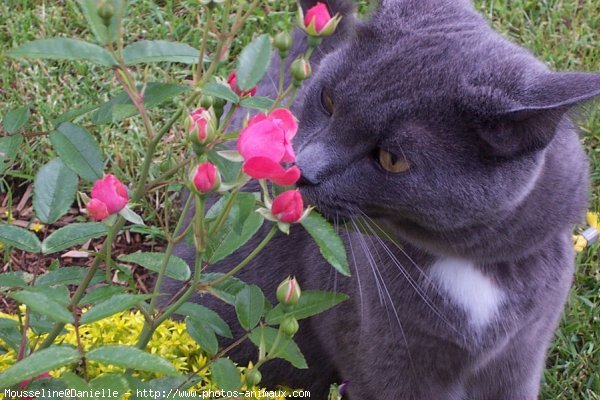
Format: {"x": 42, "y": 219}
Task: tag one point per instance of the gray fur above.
{"x": 498, "y": 178}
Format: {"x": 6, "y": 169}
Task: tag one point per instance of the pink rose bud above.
{"x": 288, "y": 291}
{"x": 206, "y": 178}
{"x": 232, "y": 81}
{"x": 288, "y": 206}
{"x": 300, "y": 70}
{"x": 97, "y": 210}
{"x": 201, "y": 124}
{"x": 265, "y": 143}
{"x": 318, "y": 22}
{"x": 109, "y": 196}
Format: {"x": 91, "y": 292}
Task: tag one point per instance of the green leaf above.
{"x": 19, "y": 238}
{"x": 16, "y": 279}
{"x": 131, "y": 216}
{"x": 176, "y": 268}
{"x": 111, "y": 383}
{"x": 203, "y": 335}
{"x": 226, "y": 290}
{"x": 311, "y": 302}
{"x": 103, "y": 34}
{"x": 329, "y": 242}
{"x": 37, "y": 363}
{"x": 78, "y": 150}
{"x": 54, "y": 191}
{"x": 148, "y": 51}
{"x": 70, "y": 115}
{"x": 131, "y": 357}
{"x": 11, "y": 338}
{"x": 6, "y": 323}
{"x": 73, "y": 234}
{"x": 253, "y": 62}
{"x": 102, "y": 293}
{"x": 239, "y": 227}
{"x": 286, "y": 349}
{"x": 41, "y": 303}
{"x": 9, "y": 148}
{"x": 225, "y": 374}
{"x": 115, "y": 304}
{"x": 64, "y": 49}
{"x": 154, "y": 95}
{"x": 16, "y": 119}
{"x": 59, "y": 294}
{"x": 67, "y": 276}
{"x": 229, "y": 170}
{"x": 201, "y": 313}
{"x": 249, "y": 306}
{"x": 221, "y": 91}
{"x": 257, "y": 103}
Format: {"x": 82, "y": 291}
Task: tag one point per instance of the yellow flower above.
{"x": 36, "y": 227}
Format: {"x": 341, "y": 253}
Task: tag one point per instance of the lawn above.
{"x": 564, "y": 33}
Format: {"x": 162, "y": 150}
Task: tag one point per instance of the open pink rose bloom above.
{"x": 266, "y": 143}
{"x": 109, "y": 196}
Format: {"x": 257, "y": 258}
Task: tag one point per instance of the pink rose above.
{"x": 319, "y": 23}
{"x": 109, "y": 196}
{"x": 319, "y": 14}
{"x": 267, "y": 142}
{"x": 232, "y": 81}
{"x": 206, "y": 178}
{"x": 288, "y": 206}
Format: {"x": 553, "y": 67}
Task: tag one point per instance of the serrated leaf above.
{"x": 72, "y": 235}
{"x": 6, "y": 323}
{"x": 201, "y": 313}
{"x": 229, "y": 170}
{"x": 239, "y": 227}
{"x": 329, "y": 242}
{"x": 70, "y": 115}
{"x": 257, "y": 103}
{"x": 9, "y": 148}
{"x": 37, "y": 363}
{"x": 253, "y": 62}
{"x": 19, "y": 238}
{"x": 64, "y": 49}
{"x": 225, "y": 374}
{"x": 154, "y": 95}
{"x": 54, "y": 191}
{"x": 131, "y": 357}
{"x": 115, "y": 304}
{"x": 286, "y": 348}
{"x": 226, "y": 290}
{"x": 249, "y": 306}
{"x": 102, "y": 293}
{"x": 176, "y": 267}
{"x": 203, "y": 335}
{"x": 41, "y": 303}
{"x": 13, "y": 279}
{"x": 221, "y": 91}
{"x": 67, "y": 276}
{"x": 148, "y": 51}
{"x": 110, "y": 382}
{"x": 16, "y": 119}
{"x": 131, "y": 216}
{"x": 78, "y": 150}
{"x": 311, "y": 302}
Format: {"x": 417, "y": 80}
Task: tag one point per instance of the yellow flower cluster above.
{"x": 170, "y": 341}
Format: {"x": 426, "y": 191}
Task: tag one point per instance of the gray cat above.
{"x": 423, "y": 124}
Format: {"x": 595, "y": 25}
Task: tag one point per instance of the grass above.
{"x": 564, "y": 33}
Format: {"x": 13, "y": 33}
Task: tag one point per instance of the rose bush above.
{"x": 195, "y": 132}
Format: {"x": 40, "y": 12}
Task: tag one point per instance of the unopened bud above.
{"x": 289, "y": 326}
{"x": 288, "y": 292}
{"x": 205, "y": 178}
{"x": 253, "y": 377}
{"x": 300, "y": 70}
{"x": 283, "y": 43}
{"x": 106, "y": 10}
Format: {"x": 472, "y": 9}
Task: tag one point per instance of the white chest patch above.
{"x": 469, "y": 288}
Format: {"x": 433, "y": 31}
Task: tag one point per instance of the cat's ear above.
{"x": 527, "y": 119}
{"x": 344, "y": 7}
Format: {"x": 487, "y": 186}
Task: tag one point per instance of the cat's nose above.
{"x": 312, "y": 161}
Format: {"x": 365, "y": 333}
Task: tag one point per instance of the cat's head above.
{"x": 425, "y": 117}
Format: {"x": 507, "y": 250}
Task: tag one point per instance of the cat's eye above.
{"x": 327, "y": 103}
{"x": 391, "y": 162}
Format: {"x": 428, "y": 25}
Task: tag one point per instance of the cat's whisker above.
{"x": 356, "y": 269}
{"x": 370, "y": 261}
